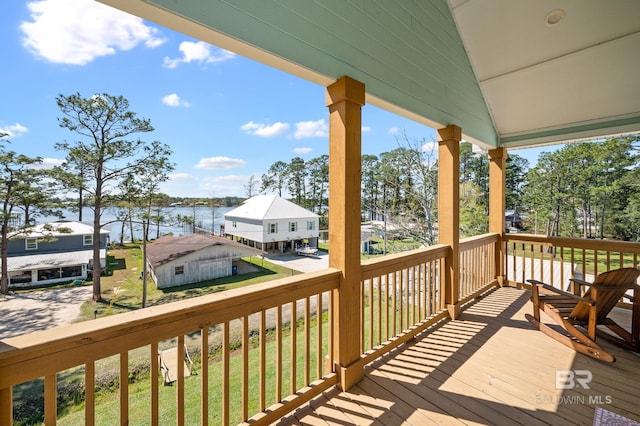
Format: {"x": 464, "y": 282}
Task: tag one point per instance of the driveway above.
{"x": 26, "y": 312}
{"x": 300, "y": 263}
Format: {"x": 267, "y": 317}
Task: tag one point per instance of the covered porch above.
{"x": 435, "y": 335}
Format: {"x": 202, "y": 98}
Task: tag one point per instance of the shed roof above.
{"x": 51, "y": 260}
{"x": 264, "y": 207}
{"x": 169, "y": 248}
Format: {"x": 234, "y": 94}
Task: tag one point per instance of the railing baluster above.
{"x": 51, "y": 399}
{"x": 6, "y": 406}
{"x": 263, "y": 359}
{"x": 293, "y": 361}
{"x": 319, "y": 325}
{"x": 307, "y": 343}
{"x": 225, "y": 373}
{"x": 124, "y": 388}
{"x": 90, "y": 391}
{"x": 379, "y": 313}
{"x": 278, "y": 353}
{"x": 204, "y": 376}
{"x": 180, "y": 413}
{"x": 245, "y": 367}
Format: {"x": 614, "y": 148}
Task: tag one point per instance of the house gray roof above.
{"x": 169, "y": 248}
{"x": 59, "y": 227}
{"x": 264, "y": 207}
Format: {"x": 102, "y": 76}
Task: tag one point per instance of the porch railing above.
{"x": 272, "y": 321}
{"x": 555, "y": 260}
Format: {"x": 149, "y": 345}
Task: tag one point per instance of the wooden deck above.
{"x": 490, "y": 366}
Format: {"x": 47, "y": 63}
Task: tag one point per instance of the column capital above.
{"x": 497, "y": 153}
{"x": 345, "y": 89}
{"x": 449, "y": 133}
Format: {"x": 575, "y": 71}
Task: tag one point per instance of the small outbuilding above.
{"x": 174, "y": 261}
{"x": 271, "y": 223}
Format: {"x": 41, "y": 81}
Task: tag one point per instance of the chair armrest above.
{"x": 561, "y": 292}
{"x": 579, "y": 281}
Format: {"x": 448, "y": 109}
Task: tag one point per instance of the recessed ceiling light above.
{"x": 554, "y": 17}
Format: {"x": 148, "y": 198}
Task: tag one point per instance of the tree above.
{"x": 318, "y": 181}
{"x": 251, "y": 186}
{"x": 297, "y": 175}
{"x": 104, "y": 123}
{"x": 275, "y": 178}
{"x": 18, "y": 181}
{"x": 515, "y": 180}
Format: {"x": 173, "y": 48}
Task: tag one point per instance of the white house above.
{"x": 174, "y": 261}
{"x": 269, "y": 222}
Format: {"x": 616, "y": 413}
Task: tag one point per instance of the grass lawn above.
{"x": 122, "y": 291}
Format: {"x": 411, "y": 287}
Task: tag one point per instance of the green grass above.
{"x": 107, "y": 404}
{"x": 122, "y": 291}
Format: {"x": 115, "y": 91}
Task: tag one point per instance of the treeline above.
{"x": 589, "y": 189}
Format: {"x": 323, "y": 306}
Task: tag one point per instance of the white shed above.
{"x": 270, "y": 222}
{"x": 174, "y": 261}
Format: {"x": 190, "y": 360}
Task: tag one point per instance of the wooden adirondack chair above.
{"x": 589, "y": 311}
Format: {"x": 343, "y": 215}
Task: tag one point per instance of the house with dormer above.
{"x": 53, "y": 252}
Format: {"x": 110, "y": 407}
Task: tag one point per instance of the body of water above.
{"x": 207, "y": 218}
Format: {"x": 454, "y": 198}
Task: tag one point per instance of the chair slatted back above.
{"x": 609, "y": 288}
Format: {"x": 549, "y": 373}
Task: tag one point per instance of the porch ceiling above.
{"x": 497, "y": 69}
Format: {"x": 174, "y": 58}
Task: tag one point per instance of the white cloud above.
{"x": 181, "y": 177}
{"x": 366, "y": 129}
{"x": 302, "y": 150}
{"x": 219, "y": 163}
{"x": 393, "y": 131}
{"x": 174, "y": 101}
{"x": 78, "y": 31}
{"x": 311, "y": 129}
{"x": 13, "y": 131}
{"x": 198, "y": 52}
{"x": 430, "y": 146}
{"x": 266, "y": 131}
{"x": 47, "y": 164}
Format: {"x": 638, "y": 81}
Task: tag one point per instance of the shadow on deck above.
{"x": 490, "y": 366}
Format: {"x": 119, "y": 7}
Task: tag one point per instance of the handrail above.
{"x": 46, "y": 353}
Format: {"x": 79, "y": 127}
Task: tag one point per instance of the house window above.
{"x": 272, "y": 228}
{"x": 31, "y": 243}
{"x": 234, "y": 224}
{"x": 179, "y": 270}
{"x": 293, "y": 226}
{"x": 87, "y": 240}
{"x": 311, "y": 225}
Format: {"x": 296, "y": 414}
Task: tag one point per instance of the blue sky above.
{"x": 225, "y": 117}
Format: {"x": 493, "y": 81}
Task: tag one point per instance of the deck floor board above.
{"x": 489, "y": 366}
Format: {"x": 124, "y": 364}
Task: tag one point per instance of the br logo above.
{"x": 569, "y": 379}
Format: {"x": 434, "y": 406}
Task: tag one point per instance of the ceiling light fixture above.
{"x": 554, "y": 17}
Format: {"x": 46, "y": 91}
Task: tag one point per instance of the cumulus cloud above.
{"x": 430, "y": 146}
{"x": 302, "y": 150}
{"x": 47, "y": 164}
{"x": 78, "y": 31}
{"x": 174, "y": 101}
{"x": 219, "y": 163}
{"x": 181, "y": 177}
{"x": 13, "y": 130}
{"x": 264, "y": 130}
{"x": 311, "y": 129}
{"x": 200, "y": 52}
